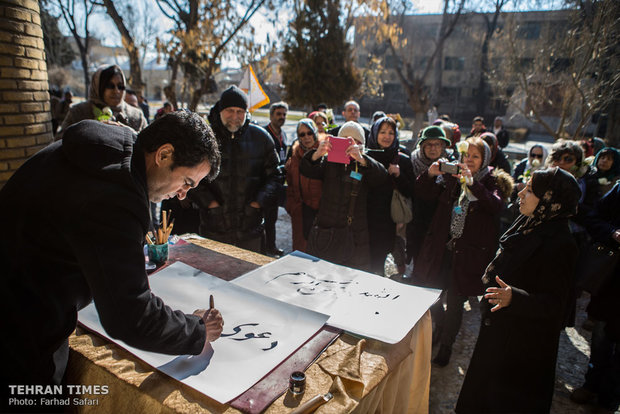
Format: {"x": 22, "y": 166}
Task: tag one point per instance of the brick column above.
{"x": 25, "y": 119}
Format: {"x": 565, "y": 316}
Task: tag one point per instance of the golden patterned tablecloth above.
{"x": 364, "y": 375}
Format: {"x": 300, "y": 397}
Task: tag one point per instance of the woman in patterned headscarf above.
{"x": 462, "y": 236}
{"x": 527, "y": 289}
{"x": 303, "y": 194}
{"x": 105, "y": 102}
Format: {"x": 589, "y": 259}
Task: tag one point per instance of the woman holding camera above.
{"x": 340, "y": 232}
{"x": 527, "y": 289}
{"x": 463, "y": 234}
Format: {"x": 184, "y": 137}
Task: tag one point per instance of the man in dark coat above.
{"x": 231, "y": 206}
{"x": 277, "y": 117}
{"x": 602, "y": 383}
{"x": 74, "y": 219}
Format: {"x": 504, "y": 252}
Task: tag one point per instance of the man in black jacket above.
{"x": 74, "y": 219}
{"x": 277, "y": 117}
{"x": 231, "y": 206}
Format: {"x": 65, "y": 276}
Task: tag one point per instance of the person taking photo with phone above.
{"x": 340, "y": 230}
{"x": 463, "y": 234}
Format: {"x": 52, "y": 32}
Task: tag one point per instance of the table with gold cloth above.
{"x": 364, "y": 375}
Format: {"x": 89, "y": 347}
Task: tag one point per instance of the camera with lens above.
{"x": 449, "y": 167}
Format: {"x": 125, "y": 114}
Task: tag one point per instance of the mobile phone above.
{"x": 339, "y": 148}
{"x": 449, "y": 167}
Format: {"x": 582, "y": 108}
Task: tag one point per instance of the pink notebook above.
{"x": 338, "y": 151}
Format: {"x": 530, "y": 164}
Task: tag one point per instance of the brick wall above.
{"x": 25, "y": 119}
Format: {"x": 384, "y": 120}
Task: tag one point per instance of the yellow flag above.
{"x": 249, "y": 84}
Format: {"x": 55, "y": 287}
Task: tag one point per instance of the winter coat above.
{"x": 300, "y": 190}
{"x": 601, "y": 223}
{"x": 247, "y": 174}
{"x": 74, "y": 220}
{"x": 512, "y": 369}
{"x": 335, "y": 197}
{"x": 474, "y": 250}
{"x": 502, "y": 138}
{"x": 501, "y": 161}
{"x": 128, "y": 115}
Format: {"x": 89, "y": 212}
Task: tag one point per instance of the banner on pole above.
{"x": 250, "y": 85}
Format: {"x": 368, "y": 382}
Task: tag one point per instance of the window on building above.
{"x": 421, "y": 62}
{"x": 391, "y": 61}
{"x": 450, "y": 92}
{"x": 454, "y": 63}
{"x": 392, "y": 88}
{"x": 561, "y": 64}
{"x": 529, "y": 31}
{"x": 525, "y": 64}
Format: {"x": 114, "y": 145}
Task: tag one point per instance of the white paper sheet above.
{"x": 263, "y": 331}
{"x": 359, "y": 302}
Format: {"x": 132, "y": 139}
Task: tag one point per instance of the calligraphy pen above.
{"x": 313, "y": 403}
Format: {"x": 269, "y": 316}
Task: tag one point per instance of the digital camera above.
{"x": 449, "y": 167}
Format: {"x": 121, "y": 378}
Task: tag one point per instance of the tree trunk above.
{"x": 135, "y": 70}
{"x": 612, "y": 134}
{"x": 84, "y": 58}
{"x": 170, "y": 90}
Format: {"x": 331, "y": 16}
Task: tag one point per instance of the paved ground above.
{"x": 446, "y": 382}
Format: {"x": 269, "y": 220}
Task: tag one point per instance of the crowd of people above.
{"x": 479, "y": 229}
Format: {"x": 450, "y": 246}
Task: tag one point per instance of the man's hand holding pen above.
{"x": 214, "y": 323}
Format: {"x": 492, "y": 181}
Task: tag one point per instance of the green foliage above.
{"x": 58, "y": 51}
{"x": 318, "y": 66}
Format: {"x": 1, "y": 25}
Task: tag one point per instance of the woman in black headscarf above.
{"x": 527, "y": 287}
{"x": 383, "y": 146}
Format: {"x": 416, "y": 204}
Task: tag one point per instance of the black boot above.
{"x": 443, "y": 356}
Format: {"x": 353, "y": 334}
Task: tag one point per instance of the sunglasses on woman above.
{"x": 536, "y": 156}
{"x": 113, "y": 86}
{"x": 566, "y": 159}
{"x": 303, "y": 134}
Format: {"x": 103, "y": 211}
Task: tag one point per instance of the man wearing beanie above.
{"x": 351, "y": 113}
{"x": 231, "y": 205}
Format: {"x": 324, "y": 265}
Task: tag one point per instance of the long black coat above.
{"x": 601, "y": 224}
{"x": 334, "y": 206}
{"x": 381, "y": 227}
{"x": 247, "y": 173}
{"x": 512, "y": 369}
{"x": 74, "y": 219}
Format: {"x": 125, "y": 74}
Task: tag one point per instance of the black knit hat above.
{"x": 234, "y": 96}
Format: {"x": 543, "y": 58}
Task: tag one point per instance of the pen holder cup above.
{"x": 158, "y": 253}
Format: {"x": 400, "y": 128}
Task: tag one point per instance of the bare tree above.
{"x": 76, "y": 14}
{"x": 385, "y": 28}
{"x": 135, "y": 67}
{"x": 203, "y": 34}
{"x": 561, "y": 83}
{"x": 491, "y": 27}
